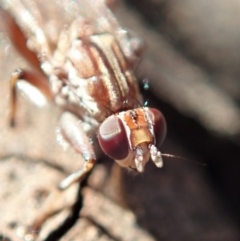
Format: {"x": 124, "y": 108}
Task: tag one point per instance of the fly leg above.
{"x": 74, "y": 133}
{"x": 19, "y": 40}
{"x": 36, "y": 79}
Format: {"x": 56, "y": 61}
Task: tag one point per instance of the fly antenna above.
{"x": 182, "y": 158}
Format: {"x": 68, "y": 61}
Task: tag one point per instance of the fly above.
{"x": 88, "y": 70}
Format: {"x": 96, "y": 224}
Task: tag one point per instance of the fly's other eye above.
{"x": 113, "y": 139}
{"x": 160, "y": 126}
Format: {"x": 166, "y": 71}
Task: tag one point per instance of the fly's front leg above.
{"x": 72, "y": 130}
{"x": 74, "y": 133}
{"x": 36, "y": 79}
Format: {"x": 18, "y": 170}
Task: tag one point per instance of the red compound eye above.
{"x": 160, "y": 126}
{"x": 113, "y": 139}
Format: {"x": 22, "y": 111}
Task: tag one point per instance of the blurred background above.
{"x": 191, "y": 61}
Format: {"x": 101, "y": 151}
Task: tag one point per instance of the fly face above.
{"x": 130, "y": 137}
